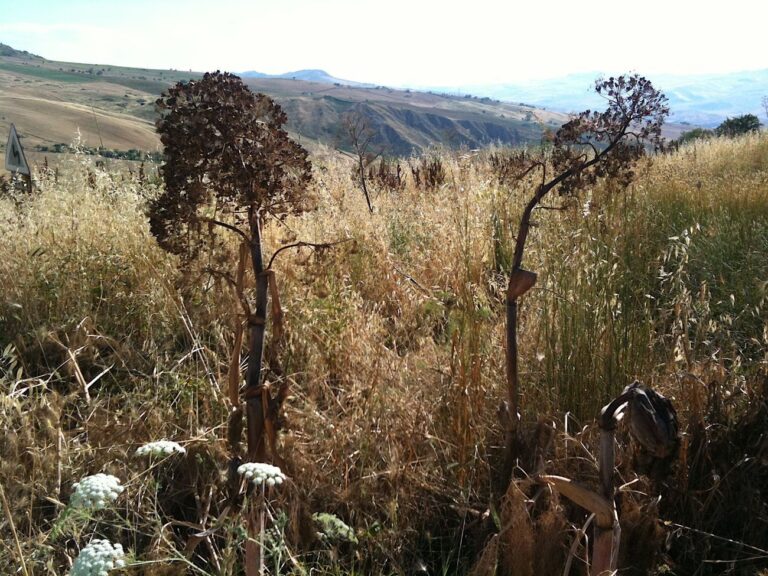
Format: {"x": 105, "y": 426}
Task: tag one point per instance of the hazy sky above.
{"x": 398, "y": 42}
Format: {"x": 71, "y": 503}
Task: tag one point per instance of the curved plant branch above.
{"x": 634, "y": 108}
{"x": 653, "y": 424}
{"x": 318, "y": 246}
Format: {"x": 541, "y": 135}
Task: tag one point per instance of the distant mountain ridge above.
{"x": 702, "y": 99}
{"x": 310, "y": 75}
{"x": 6, "y": 50}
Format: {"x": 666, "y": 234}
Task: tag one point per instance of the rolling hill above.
{"x": 405, "y": 121}
{"x": 112, "y": 106}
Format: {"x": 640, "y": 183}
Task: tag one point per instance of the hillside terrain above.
{"x": 113, "y": 107}
{"x": 405, "y": 121}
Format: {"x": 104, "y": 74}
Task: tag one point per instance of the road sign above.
{"x": 14, "y": 154}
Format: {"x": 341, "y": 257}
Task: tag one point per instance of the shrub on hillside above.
{"x": 743, "y": 124}
{"x": 692, "y": 135}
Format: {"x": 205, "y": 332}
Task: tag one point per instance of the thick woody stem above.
{"x": 257, "y": 324}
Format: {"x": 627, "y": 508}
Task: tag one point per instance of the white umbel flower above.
{"x": 160, "y": 448}
{"x": 260, "y": 473}
{"x": 96, "y": 491}
{"x": 98, "y": 558}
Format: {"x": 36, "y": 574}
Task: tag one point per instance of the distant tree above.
{"x": 357, "y": 133}
{"x": 739, "y": 125}
{"x": 695, "y": 134}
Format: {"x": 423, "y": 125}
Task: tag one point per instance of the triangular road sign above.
{"x": 14, "y": 154}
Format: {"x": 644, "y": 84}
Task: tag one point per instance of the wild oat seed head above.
{"x": 98, "y": 558}
{"x": 261, "y": 473}
{"x": 96, "y": 491}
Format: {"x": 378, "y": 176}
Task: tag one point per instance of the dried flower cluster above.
{"x": 618, "y": 136}
{"x": 225, "y": 149}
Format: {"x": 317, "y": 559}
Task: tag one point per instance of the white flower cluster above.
{"x": 96, "y": 491}
{"x": 258, "y": 473}
{"x": 98, "y": 558}
{"x": 160, "y": 448}
{"x": 333, "y": 529}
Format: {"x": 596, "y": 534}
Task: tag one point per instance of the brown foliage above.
{"x": 533, "y": 536}
{"x": 518, "y": 541}
{"x": 226, "y": 151}
{"x": 388, "y": 175}
{"x": 617, "y": 136}
{"x": 428, "y": 173}
{"x": 717, "y": 499}
{"x": 507, "y": 165}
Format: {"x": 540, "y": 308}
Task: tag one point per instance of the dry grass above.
{"x": 395, "y": 356}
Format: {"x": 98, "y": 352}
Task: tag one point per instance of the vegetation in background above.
{"x": 132, "y": 154}
{"x": 395, "y": 370}
{"x": 357, "y": 133}
{"x": 739, "y": 125}
{"x": 695, "y": 134}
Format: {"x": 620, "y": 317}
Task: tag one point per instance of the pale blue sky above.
{"x": 398, "y": 42}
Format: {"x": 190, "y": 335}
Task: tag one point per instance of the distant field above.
{"x": 45, "y": 73}
{"x": 46, "y": 122}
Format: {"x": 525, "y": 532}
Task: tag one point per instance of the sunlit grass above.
{"x": 394, "y": 350}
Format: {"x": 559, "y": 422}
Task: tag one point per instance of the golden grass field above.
{"x": 395, "y": 356}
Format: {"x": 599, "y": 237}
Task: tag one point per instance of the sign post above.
{"x": 15, "y": 161}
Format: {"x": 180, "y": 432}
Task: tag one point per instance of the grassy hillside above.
{"x": 406, "y": 121}
{"x": 395, "y": 357}
{"x": 114, "y": 107}
{"x": 49, "y": 102}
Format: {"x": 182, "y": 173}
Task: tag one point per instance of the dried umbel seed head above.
{"x": 98, "y": 558}
{"x": 618, "y": 136}
{"x": 96, "y": 491}
{"x": 160, "y": 448}
{"x": 260, "y": 473}
{"x": 227, "y": 157}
